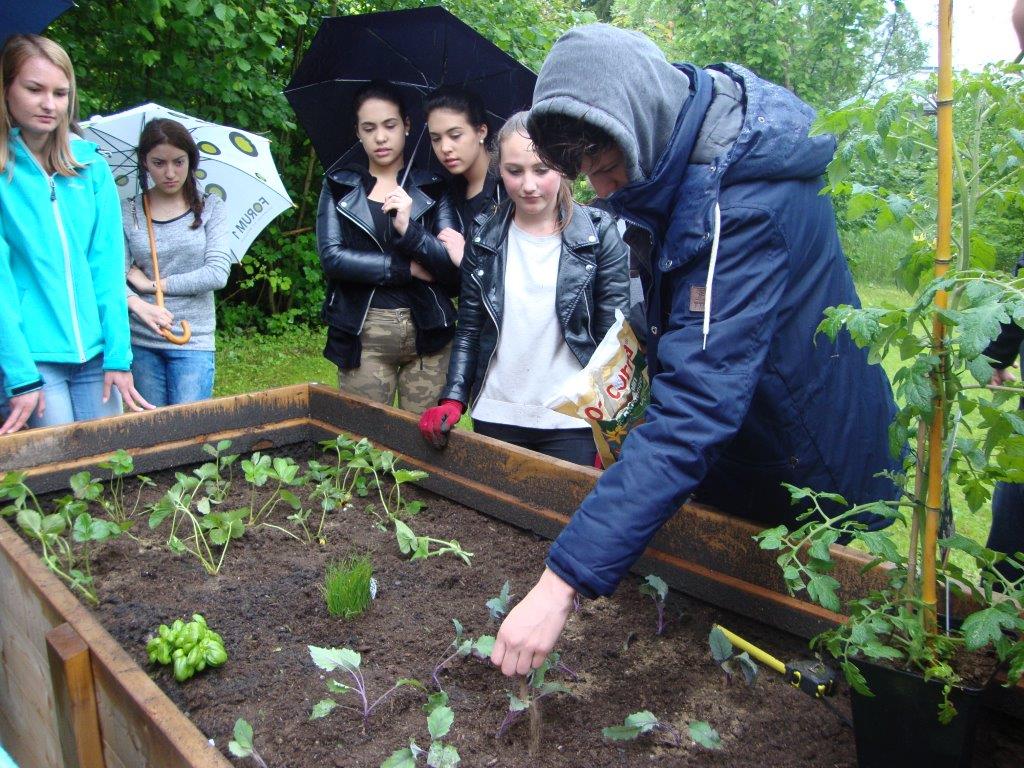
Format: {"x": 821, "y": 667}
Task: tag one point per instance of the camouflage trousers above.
{"x": 389, "y": 364}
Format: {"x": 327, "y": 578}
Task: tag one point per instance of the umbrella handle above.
{"x": 186, "y": 334}
{"x": 186, "y": 330}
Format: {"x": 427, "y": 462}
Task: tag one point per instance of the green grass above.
{"x": 247, "y": 362}
{"x": 346, "y": 586}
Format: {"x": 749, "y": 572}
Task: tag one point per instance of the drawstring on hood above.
{"x": 708, "y": 284}
{"x": 590, "y": 74}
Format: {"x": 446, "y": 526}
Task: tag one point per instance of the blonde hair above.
{"x": 57, "y": 149}
{"x": 517, "y": 124}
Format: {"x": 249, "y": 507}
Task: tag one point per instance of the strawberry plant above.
{"x": 348, "y": 661}
{"x": 419, "y": 546}
{"x": 65, "y": 537}
{"x": 193, "y": 517}
{"x": 282, "y": 474}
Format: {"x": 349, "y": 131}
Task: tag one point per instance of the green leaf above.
{"x": 322, "y": 708}
{"x": 242, "y": 744}
{"x": 407, "y": 540}
{"x": 986, "y": 626}
{"x": 644, "y": 720}
{"x": 330, "y": 659}
{"x": 772, "y": 538}
{"x": 483, "y": 646}
{"x": 435, "y": 700}
{"x": 442, "y": 756}
{"x": 439, "y": 722}
{"x": 721, "y": 648}
{"x": 654, "y": 586}
{"x": 822, "y": 590}
{"x": 705, "y": 735}
{"x": 620, "y": 733}
{"x": 401, "y": 758}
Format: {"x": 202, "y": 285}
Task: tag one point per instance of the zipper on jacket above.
{"x": 348, "y": 215}
{"x": 440, "y": 309}
{"x": 68, "y": 282}
{"x": 497, "y": 341}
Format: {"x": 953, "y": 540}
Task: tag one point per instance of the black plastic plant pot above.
{"x": 900, "y": 725}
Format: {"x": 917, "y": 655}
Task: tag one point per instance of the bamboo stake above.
{"x": 944, "y": 111}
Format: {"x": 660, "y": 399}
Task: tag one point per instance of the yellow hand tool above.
{"x": 813, "y": 677}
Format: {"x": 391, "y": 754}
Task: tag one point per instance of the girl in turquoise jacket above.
{"x": 65, "y": 348}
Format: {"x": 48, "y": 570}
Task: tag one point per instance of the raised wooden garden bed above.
{"x": 53, "y": 649}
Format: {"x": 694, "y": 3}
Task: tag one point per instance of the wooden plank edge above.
{"x": 177, "y": 734}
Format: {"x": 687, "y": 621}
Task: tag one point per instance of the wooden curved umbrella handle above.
{"x": 186, "y": 334}
{"x": 167, "y": 333}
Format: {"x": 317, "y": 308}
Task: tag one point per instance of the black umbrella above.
{"x": 29, "y": 16}
{"x": 418, "y": 50}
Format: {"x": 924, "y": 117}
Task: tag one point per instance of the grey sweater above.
{"x": 193, "y": 264}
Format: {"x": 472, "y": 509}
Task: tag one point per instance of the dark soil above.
{"x": 267, "y": 605}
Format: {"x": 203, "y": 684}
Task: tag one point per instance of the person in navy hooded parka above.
{"x": 717, "y": 167}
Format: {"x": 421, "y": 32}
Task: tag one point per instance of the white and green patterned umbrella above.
{"x": 235, "y": 165}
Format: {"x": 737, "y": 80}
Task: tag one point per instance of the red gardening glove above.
{"x": 437, "y": 422}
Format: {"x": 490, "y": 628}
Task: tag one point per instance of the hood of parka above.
{"x": 618, "y": 81}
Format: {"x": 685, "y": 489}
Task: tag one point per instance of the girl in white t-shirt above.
{"x": 541, "y": 281}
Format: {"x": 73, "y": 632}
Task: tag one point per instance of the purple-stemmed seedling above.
{"x": 639, "y": 723}
{"x": 656, "y": 587}
{"x": 534, "y": 690}
{"x": 330, "y": 659}
{"x": 460, "y": 648}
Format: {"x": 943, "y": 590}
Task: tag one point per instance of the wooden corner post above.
{"x": 74, "y": 698}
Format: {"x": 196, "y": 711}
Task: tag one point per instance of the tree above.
{"x": 825, "y": 51}
{"x": 228, "y": 61}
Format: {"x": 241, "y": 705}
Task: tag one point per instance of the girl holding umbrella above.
{"x": 541, "y": 281}
{"x": 390, "y": 281}
{"x": 64, "y": 342}
{"x": 457, "y": 123}
{"x": 191, "y": 240}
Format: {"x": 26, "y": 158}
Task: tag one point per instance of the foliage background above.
{"x": 229, "y": 60}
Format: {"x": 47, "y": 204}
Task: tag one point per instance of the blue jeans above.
{"x": 172, "y": 376}
{"x": 74, "y": 392}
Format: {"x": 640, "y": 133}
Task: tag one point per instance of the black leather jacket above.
{"x": 592, "y": 282}
{"x": 355, "y": 263}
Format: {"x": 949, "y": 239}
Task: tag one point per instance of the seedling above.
{"x": 330, "y": 659}
{"x": 191, "y": 647}
{"x": 460, "y": 648}
{"x": 348, "y": 587}
{"x": 213, "y": 473}
{"x": 533, "y": 690}
{"x": 120, "y": 465}
{"x": 656, "y": 587}
{"x": 59, "y": 533}
{"x": 440, "y": 755}
{"x": 498, "y": 606}
{"x": 640, "y": 723}
{"x": 207, "y": 527}
{"x": 260, "y": 470}
{"x": 419, "y": 546}
{"x": 732, "y": 663}
{"x": 242, "y": 744}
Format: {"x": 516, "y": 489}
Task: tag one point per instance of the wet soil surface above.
{"x": 267, "y": 605}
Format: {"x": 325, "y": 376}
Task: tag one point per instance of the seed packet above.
{"x": 611, "y": 393}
